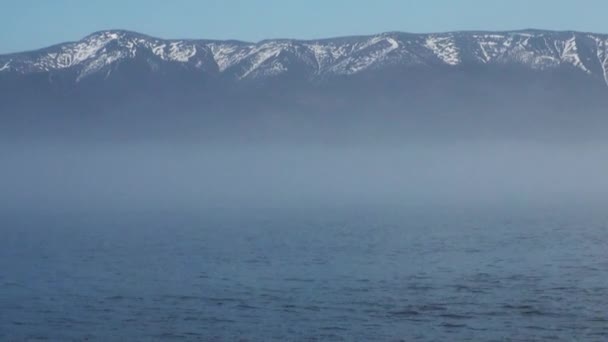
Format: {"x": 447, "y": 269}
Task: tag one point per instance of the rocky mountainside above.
{"x": 529, "y": 83}
{"x": 316, "y": 60}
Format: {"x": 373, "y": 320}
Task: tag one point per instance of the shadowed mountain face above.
{"x": 392, "y": 86}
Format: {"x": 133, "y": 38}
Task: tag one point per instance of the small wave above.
{"x": 534, "y": 313}
{"x": 405, "y": 313}
{"x": 432, "y": 307}
{"x": 13, "y": 284}
{"x": 334, "y": 328}
{"x": 299, "y": 280}
{"x": 599, "y": 319}
{"x": 246, "y": 307}
{"x": 536, "y": 327}
{"x": 455, "y": 316}
{"x": 453, "y": 325}
{"x": 518, "y": 307}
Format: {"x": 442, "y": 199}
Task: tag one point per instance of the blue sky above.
{"x": 30, "y": 24}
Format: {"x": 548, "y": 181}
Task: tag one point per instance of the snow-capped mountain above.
{"x": 530, "y": 83}
{"x": 102, "y": 53}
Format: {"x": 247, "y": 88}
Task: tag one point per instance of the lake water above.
{"x": 348, "y": 274}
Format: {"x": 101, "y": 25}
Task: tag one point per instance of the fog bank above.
{"x": 165, "y": 176}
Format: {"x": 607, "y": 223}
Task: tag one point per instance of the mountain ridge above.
{"x": 392, "y": 86}
{"x": 316, "y": 59}
{"x": 472, "y": 31}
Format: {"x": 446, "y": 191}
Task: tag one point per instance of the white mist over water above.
{"x": 195, "y": 176}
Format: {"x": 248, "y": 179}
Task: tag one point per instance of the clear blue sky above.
{"x": 30, "y": 24}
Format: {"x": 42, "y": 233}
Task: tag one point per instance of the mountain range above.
{"x": 532, "y": 76}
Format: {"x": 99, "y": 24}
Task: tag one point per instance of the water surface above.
{"x": 306, "y": 274}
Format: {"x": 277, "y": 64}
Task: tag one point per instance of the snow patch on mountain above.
{"x": 537, "y": 51}
{"x": 444, "y": 48}
{"x": 326, "y": 54}
{"x": 521, "y": 48}
{"x": 602, "y": 55}
{"x": 492, "y": 47}
{"x": 570, "y": 54}
{"x": 226, "y": 55}
{"x": 6, "y": 66}
{"x": 82, "y": 51}
{"x": 367, "y": 54}
{"x": 99, "y": 63}
{"x": 175, "y": 51}
{"x": 258, "y": 55}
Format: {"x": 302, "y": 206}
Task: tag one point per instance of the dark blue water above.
{"x": 293, "y": 275}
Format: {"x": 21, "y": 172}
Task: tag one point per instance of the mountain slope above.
{"x": 100, "y": 52}
{"x": 456, "y": 85}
